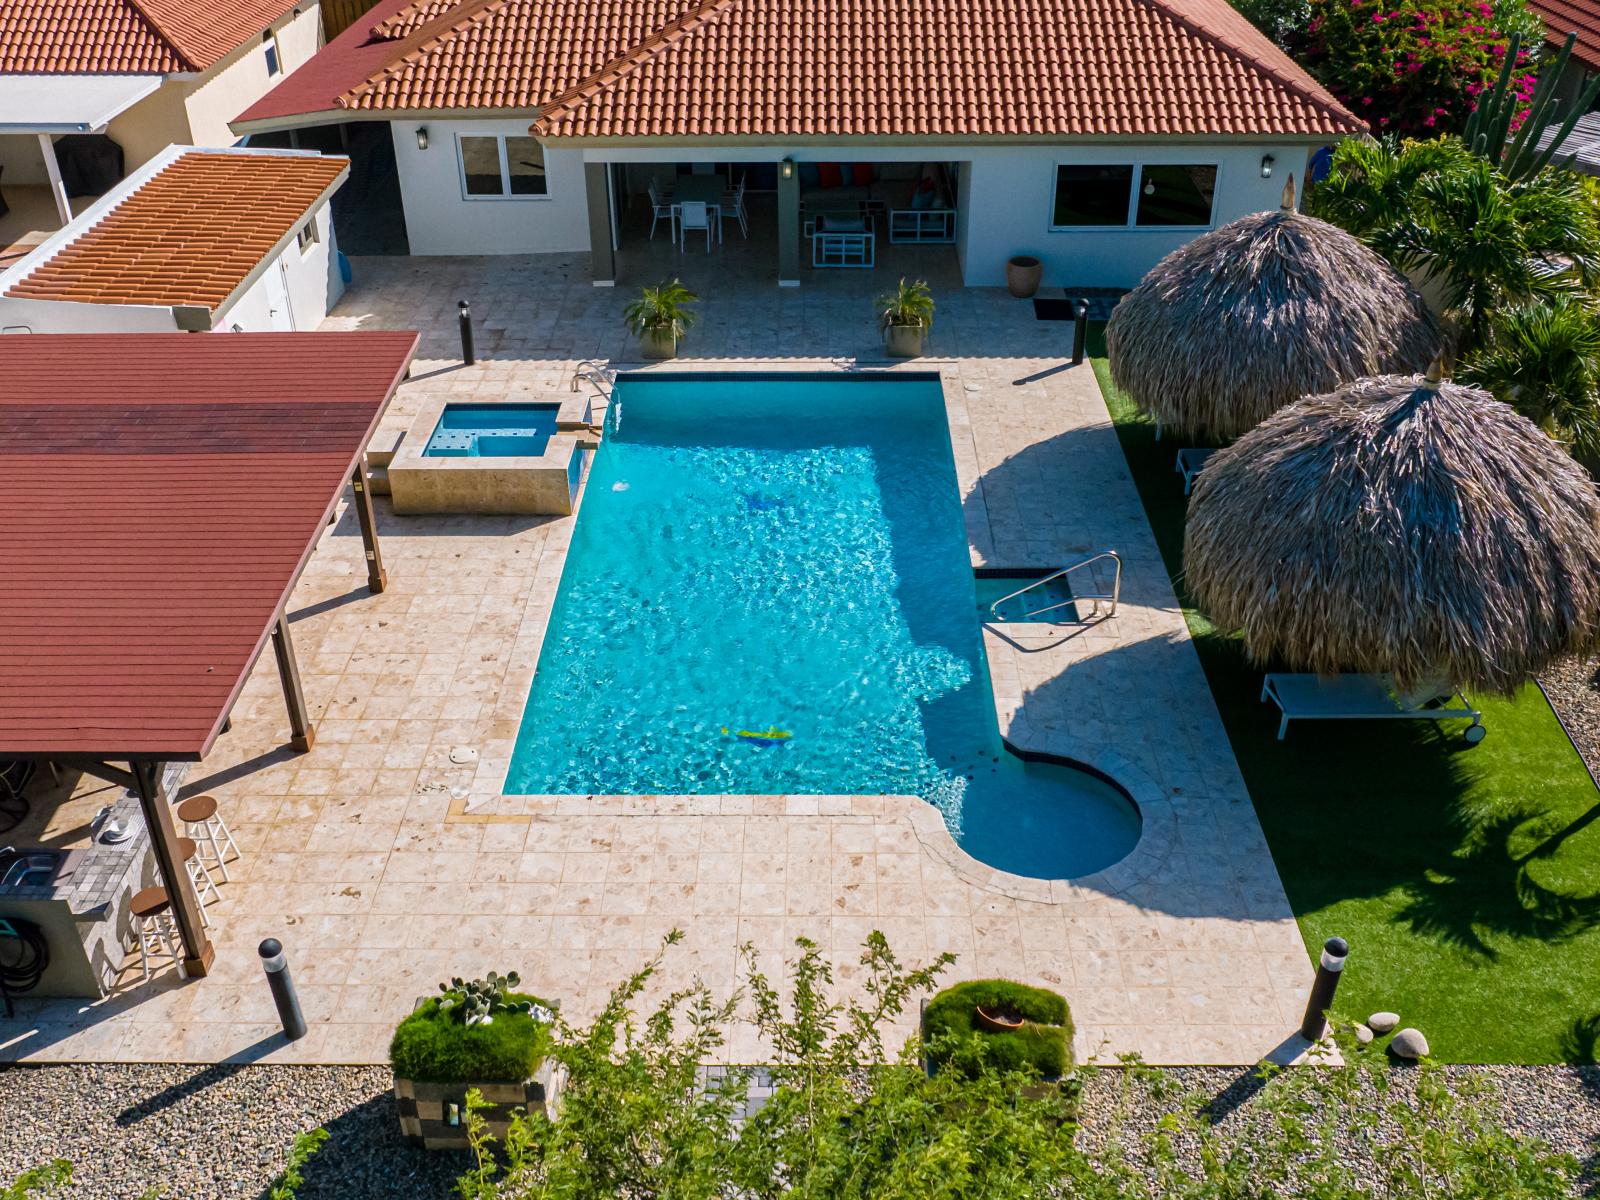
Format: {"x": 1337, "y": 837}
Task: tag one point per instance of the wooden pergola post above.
{"x": 197, "y": 949}
{"x": 377, "y": 577}
{"x": 300, "y": 726}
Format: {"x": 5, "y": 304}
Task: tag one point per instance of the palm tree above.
{"x": 1370, "y": 184}
{"x": 1493, "y": 241}
{"x": 1544, "y": 360}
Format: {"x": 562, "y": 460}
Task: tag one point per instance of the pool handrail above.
{"x": 1112, "y": 597}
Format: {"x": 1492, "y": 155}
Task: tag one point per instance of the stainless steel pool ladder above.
{"x": 597, "y": 374}
{"x": 1094, "y": 598}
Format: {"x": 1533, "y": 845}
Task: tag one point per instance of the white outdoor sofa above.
{"x": 1360, "y": 698}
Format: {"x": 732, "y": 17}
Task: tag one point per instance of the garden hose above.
{"x": 24, "y": 955}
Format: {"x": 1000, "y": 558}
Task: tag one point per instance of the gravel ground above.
{"x": 194, "y": 1133}
{"x": 1573, "y": 687}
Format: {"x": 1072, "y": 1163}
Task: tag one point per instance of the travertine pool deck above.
{"x": 385, "y": 866}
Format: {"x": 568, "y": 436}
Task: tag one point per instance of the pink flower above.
{"x": 1428, "y": 121}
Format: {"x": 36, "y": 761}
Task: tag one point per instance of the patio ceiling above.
{"x": 68, "y": 103}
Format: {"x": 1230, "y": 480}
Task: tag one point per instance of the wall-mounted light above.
{"x": 422, "y": 137}
{"x": 1266, "y": 166}
{"x": 786, "y": 168}
{"x": 1149, "y": 188}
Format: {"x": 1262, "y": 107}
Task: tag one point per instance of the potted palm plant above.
{"x": 906, "y": 315}
{"x": 659, "y": 317}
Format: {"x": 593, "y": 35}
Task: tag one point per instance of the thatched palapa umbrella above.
{"x": 1227, "y": 329}
{"x": 1401, "y": 525}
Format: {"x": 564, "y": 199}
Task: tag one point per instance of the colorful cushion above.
{"x": 832, "y": 177}
{"x": 847, "y": 174}
{"x": 863, "y": 173}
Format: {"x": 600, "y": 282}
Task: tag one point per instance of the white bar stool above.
{"x": 154, "y": 928}
{"x": 205, "y": 888}
{"x": 206, "y": 826}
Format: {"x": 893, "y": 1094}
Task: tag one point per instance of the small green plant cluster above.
{"x": 909, "y": 304}
{"x": 1416, "y": 67}
{"x": 436, "y": 1043}
{"x": 1042, "y": 1045}
{"x": 302, "y": 1152}
{"x": 478, "y": 1001}
{"x": 38, "y": 1181}
{"x": 662, "y": 310}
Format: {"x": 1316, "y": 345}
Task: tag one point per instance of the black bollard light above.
{"x": 276, "y": 964}
{"x": 468, "y": 353}
{"x": 1080, "y": 330}
{"x": 1334, "y": 951}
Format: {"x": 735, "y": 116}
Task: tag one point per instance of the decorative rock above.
{"x": 1409, "y": 1043}
{"x": 1382, "y": 1022}
{"x": 1363, "y": 1035}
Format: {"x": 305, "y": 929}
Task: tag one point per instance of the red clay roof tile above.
{"x": 127, "y": 37}
{"x": 817, "y": 68}
{"x": 191, "y": 234}
{"x": 1581, "y": 17}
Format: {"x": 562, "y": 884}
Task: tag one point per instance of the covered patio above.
{"x": 161, "y": 495}
{"x": 37, "y": 190}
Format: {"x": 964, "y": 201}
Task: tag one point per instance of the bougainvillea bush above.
{"x": 1417, "y": 66}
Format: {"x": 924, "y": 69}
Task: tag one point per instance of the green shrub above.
{"x": 429, "y": 1045}
{"x": 1043, "y": 1044}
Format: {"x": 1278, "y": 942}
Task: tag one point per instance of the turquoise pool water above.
{"x": 769, "y": 591}
{"x": 492, "y": 431}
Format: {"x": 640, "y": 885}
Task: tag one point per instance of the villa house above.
{"x": 1096, "y": 135}
{"x": 92, "y": 89}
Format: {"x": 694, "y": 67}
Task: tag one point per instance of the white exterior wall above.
{"x": 441, "y": 220}
{"x": 1012, "y": 196}
{"x": 58, "y": 316}
{"x": 194, "y": 110}
{"x": 1005, "y": 197}
{"x": 240, "y": 79}
{"x": 314, "y": 286}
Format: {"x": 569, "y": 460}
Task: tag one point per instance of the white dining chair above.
{"x": 660, "y": 210}
{"x": 694, "y": 215}
{"x": 733, "y": 207}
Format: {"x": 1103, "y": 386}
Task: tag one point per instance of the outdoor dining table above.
{"x": 708, "y": 189}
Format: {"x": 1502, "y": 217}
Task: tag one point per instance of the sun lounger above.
{"x": 1362, "y": 697}
{"x": 1191, "y": 462}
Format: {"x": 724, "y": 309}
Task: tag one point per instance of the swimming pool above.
{"x": 492, "y": 431}
{"x": 769, "y": 592}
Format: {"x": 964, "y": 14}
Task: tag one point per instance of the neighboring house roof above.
{"x": 127, "y": 37}
{"x": 159, "y": 496}
{"x": 1581, "y": 17}
{"x": 192, "y": 233}
{"x": 818, "y": 68}
{"x": 1582, "y": 144}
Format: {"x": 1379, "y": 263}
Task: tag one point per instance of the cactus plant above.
{"x": 1489, "y": 126}
{"x": 476, "y": 1001}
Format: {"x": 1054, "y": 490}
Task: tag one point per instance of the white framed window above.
{"x": 501, "y": 166}
{"x": 307, "y": 237}
{"x": 274, "y": 56}
{"x": 1134, "y": 195}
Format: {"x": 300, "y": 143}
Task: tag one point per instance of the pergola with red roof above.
{"x": 160, "y": 495}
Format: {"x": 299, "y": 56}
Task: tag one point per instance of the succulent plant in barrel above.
{"x": 476, "y": 1001}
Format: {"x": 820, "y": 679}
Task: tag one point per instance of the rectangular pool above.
{"x": 769, "y": 591}
{"x": 492, "y": 431}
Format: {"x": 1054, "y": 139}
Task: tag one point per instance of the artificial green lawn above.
{"x": 1467, "y": 879}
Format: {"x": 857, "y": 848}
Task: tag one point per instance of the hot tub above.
{"x": 487, "y": 457}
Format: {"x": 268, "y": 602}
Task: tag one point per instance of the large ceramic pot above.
{"x": 904, "y": 341}
{"x": 659, "y": 343}
{"x": 1023, "y": 274}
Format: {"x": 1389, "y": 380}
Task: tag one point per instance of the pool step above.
{"x": 385, "y": 444}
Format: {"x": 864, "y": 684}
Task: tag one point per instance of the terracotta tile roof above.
{"x": 798, "y": 68}
{"x": 412, "y": 18}
{"x": 1581, "y": 17}
{"x": 133, "y": 37}
{"x": 953, "y": 67}
{"x": 159, "y": 495}
{"x": 192, "y": 234}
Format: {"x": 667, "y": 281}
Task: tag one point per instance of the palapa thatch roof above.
{"x": 1227, "y": 329}
{"x": 1401, "y": 526}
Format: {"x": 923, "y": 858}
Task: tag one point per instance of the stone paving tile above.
{"x": 386, "y": 867}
